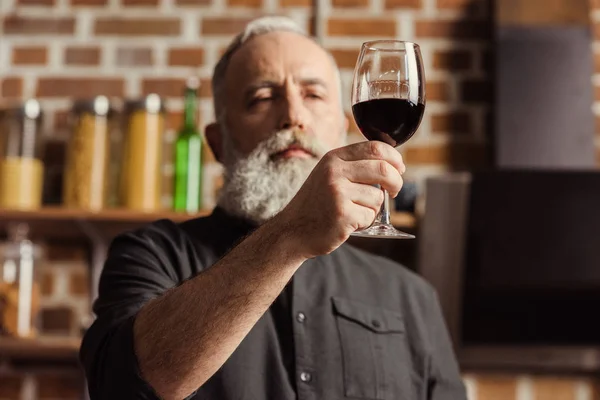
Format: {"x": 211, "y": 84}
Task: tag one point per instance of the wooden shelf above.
{"x": 109, "y": 215}
{"x": 65, "y": 223}
{"x": 39, "y": 349}
{"x": 73, "y": 224}
{"x": 530, "y": 359}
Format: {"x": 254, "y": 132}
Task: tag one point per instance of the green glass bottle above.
{"x": 188, "y": 156}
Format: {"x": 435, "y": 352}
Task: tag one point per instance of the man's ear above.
{"x": 214, "y": 138}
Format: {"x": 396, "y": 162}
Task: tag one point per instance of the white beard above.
{"x": 257, "y": 187}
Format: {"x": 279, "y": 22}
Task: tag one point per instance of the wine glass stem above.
{"x": 384, "y": 214}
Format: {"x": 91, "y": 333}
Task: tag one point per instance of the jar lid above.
{"x": 30, "y": 109}
{"x": 151, "y": 103}
{"x": 99, "y": 105}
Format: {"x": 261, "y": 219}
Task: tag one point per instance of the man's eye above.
{"x": 314, "y": 96}
{"x": 260, "y": 100}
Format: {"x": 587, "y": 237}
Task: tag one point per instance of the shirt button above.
{"x": 375, "y": 323}
{"x": 300, "y": 317}
{"x": 305, "y": 377}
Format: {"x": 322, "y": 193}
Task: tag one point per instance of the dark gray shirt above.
{"x": 348, "y": 325}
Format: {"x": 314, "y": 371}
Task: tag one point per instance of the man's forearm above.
{"x": 183, "y": 337}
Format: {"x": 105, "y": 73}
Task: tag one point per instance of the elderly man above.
{"x": 262, "y": 299}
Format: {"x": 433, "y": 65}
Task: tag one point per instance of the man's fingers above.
{"x": 364, "y": 216}
{"x": 374, "y": 172}
{"x": 365, "y": 195}
{"x": 372, "y": 150}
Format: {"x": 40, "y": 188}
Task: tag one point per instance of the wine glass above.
{"x": 388, "y": 102}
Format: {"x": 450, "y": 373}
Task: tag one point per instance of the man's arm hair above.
{"x": 184, "y": 336}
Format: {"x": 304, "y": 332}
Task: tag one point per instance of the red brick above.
{"x": 79, "y": 284}
{"x": 140, "y": 2}
{"x": 350, "y": 3}
{"x": 456, "y": 123}
{"x": 496, "y": 388}
{"x": 456, "y": 4}
{"x": 345, "y": 58}
{"x": 186, "y": 56}
{"x": 174, "y": 119}
{"x": 36, "y": 2}
{"x": 137, "y": 26}
{"x": 437, "y": 91}
{"x": 15, "y": 25}
{"x": 453, "y": 60}
{"x": 474, "y": 91}
{"x": 134, "y": 56}
{"x": 65, "y": 252}
{"x": 29, "y": 56}
{"x": 361, "y": 27}
{"x": 597, "y": 61}
{"x": 12, "y": 87}
{"x": 164, "y": 87}
{"x": 459, "y": 29}
{"x": 80, "y": 87}
{"x": 89, "y": 2}
{"x": 554, "y": 388}
{"x": 595, "y": 3}
{"x": 205, "y": 88}
{"x": 47, "y": 282}
{"x": 54, "y": 386}
{"x": 192, "y": 2}
{"x": 403, "y": 3}
{"x": 57, "y": 320}
{"x": 295, "y": 3}
{"x": 223, "y": 25}
{"x": 245, "y": 3}
{"x": 82, "y": 56}
{"x": 10, "y": 386}
{"x": 61, "y": 121}
{"x": 454, "y": 155}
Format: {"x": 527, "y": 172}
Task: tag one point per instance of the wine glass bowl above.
{"x": 388, "y": 103}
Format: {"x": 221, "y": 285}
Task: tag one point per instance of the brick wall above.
{"x": 59, "y": 49}
{"x": 64, "y": 285}
{"x": 65, "y": 310}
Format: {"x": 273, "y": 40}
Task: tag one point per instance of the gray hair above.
{"x": 257, "y": 27}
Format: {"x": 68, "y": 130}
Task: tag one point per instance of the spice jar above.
{"x": 21, "y": 166}
{"x": 142, "y": 159}
{"x": 86, "y": 169}
{"x": 19, "y": 284}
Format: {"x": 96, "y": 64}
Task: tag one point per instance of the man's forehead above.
{"x": 275, "y": 54}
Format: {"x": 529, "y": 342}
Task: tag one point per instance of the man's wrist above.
{"x": 285, "y": 238}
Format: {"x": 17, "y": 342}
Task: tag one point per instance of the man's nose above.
{"x": 293, "y": 113}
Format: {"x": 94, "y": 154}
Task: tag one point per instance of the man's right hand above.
{"x": 339, "y": 198}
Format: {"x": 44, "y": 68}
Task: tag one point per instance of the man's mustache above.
{"x": 298, "y": 139}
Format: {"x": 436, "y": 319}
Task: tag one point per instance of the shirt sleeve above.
{"x": 446, "y": 381}
{"x": 140, "y": 266}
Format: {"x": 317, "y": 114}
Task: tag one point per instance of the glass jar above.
{"x": 142, "y": 159}
{"x": 87, "y": 167}
{"x": 19, "y": 283}
{"x": 21, "y": 166}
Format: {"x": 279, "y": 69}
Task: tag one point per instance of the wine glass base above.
{"x": 383, "y": 231}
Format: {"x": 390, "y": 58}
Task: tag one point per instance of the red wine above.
{"x": 392, "y": 121}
